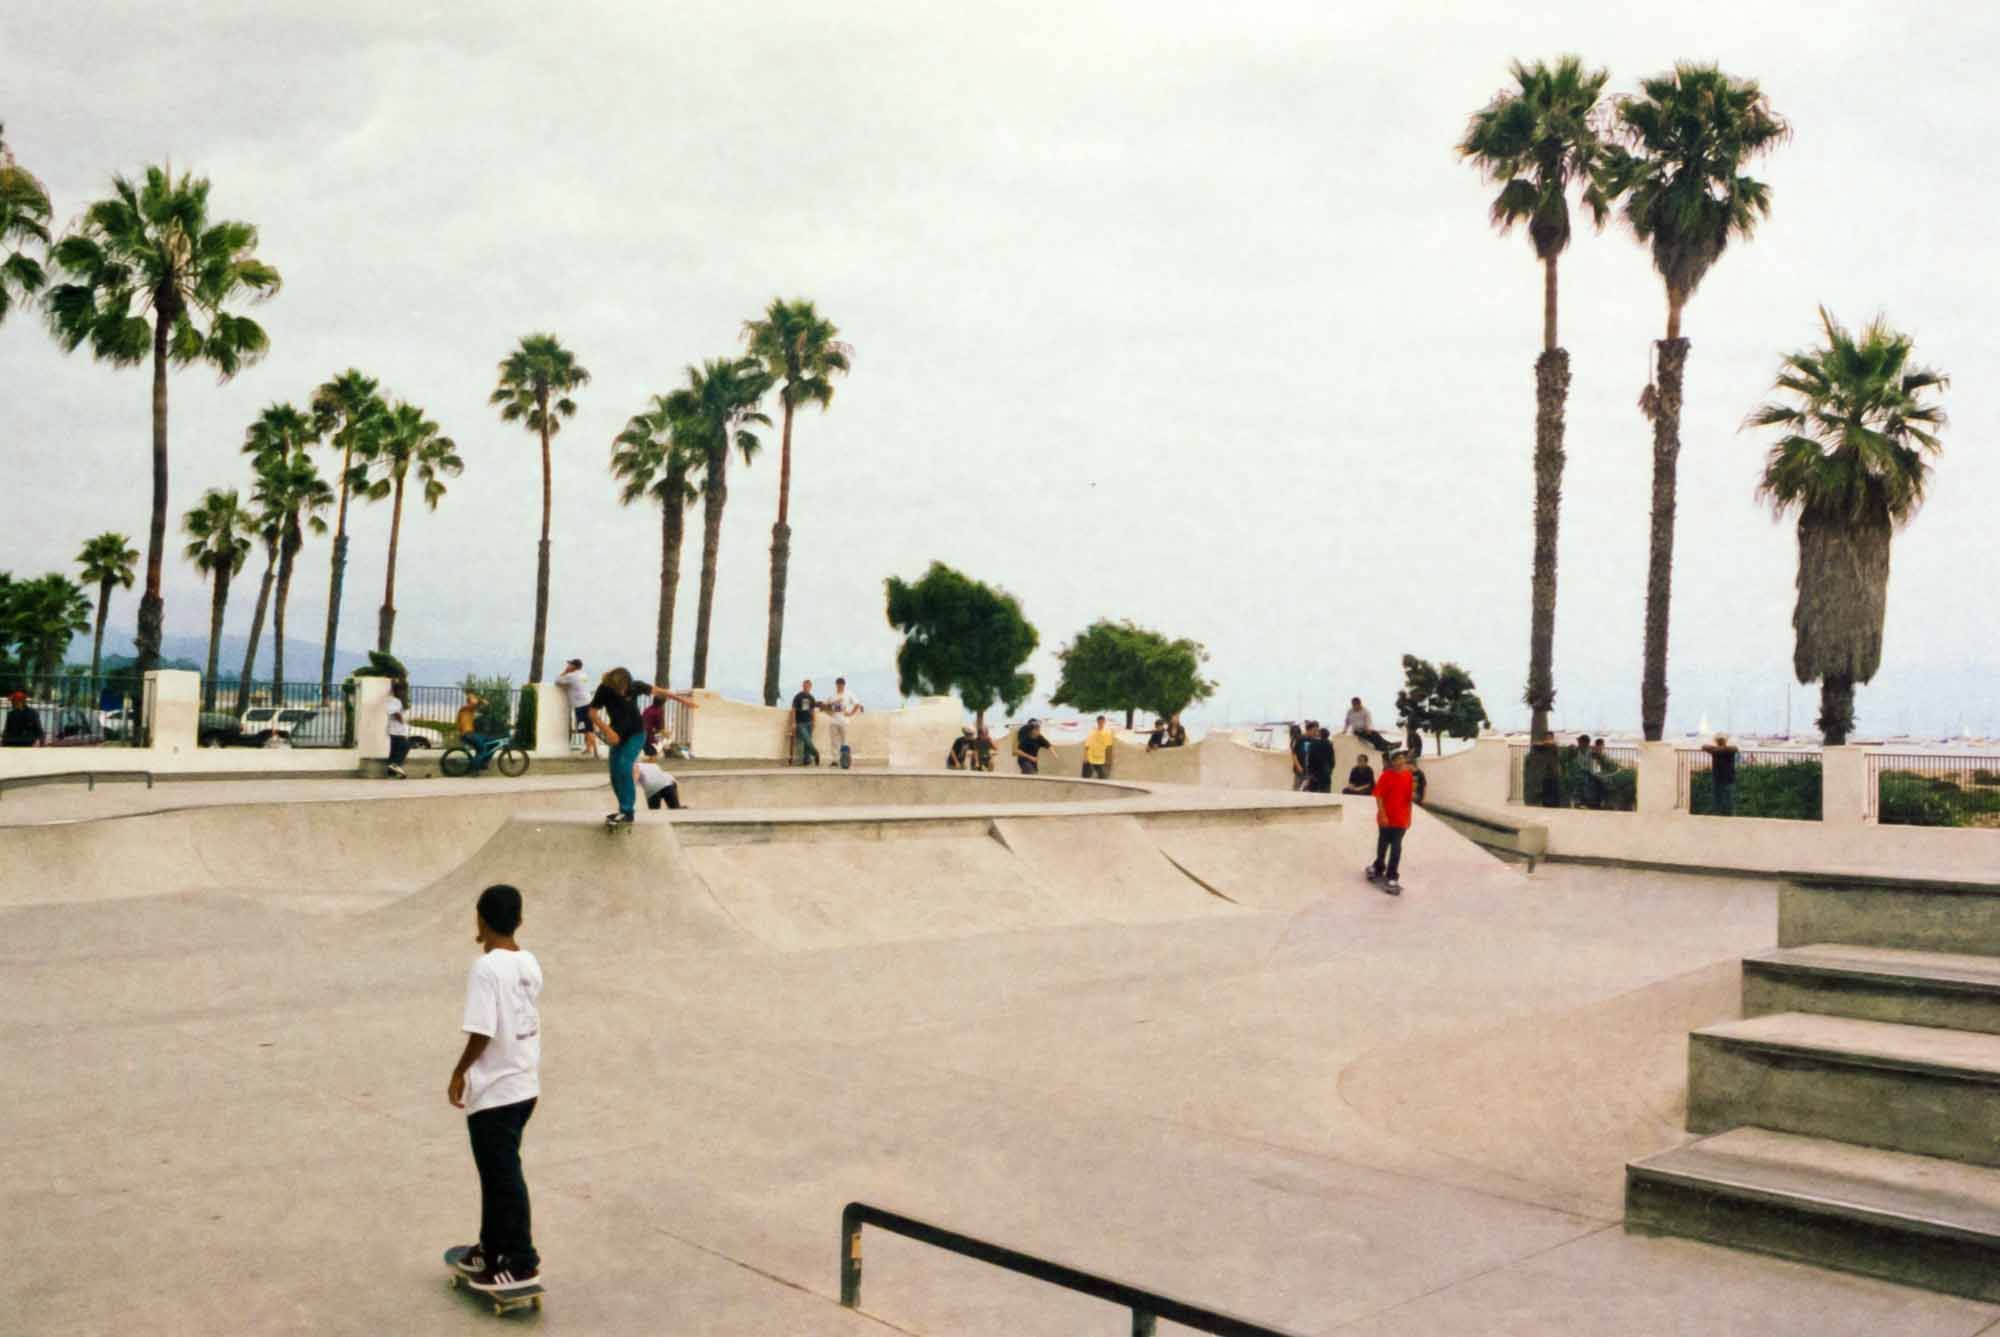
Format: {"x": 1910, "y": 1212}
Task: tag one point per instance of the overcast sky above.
{"x": 1184, "y": 313}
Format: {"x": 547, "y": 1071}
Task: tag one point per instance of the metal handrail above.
{"x": 1148, "y": 1307}
{"x": 60, "y": 777}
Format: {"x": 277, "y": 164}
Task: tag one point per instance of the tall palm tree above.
{"x": 536, "y": 382}
{"x": 712, "y": 415}
{"x": 650, "y": 462}
{"x": 291, "y": 492}
{"x": 218, "y": 533}
{"x": 24, "y": 231}
{"x": 1538, "y": 142}
{"x": 1686, "y": 139}
{"x": 46, "y": 613}
{"x": 279, "y": 432}
{"x": 800, "y": 349}
{"x": 349, "y": 407}
{"x": 107, "y": 560}
{"x": 407, "y": 440}
{"x": 1858, "y": 422}
{"x": 151, "y": 247}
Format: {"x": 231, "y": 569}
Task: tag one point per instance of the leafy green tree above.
{"x": 1858, "y": 418}
{"x": 41, "y": 617}
{"x": 1123, "y": 666}
{"x": 711, "y": 416}
{"x": 1439, "y": 701}
{"x": 107, "y": 560}
{"x": 961, "y": 635}
{"x": 649, "y": 461}
{"x": 219, "y": 539}
{"x": 280, "y": 432}
{"x": 537, "y": 381}
{"x": 801, "y": 350}
{"x": 406, "y": 440}
{"x": 1539, "y": 143}
{"x": 24, "y": 232}
{"x": 1686, "y": 140}
{"x": 349, "y": 412}
{"x": 151, "y": 247}
{"x": 291, "y": 493}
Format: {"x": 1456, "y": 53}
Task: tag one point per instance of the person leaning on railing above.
{"x": 1722, "y": 775}
{"x": 24, "y": 724}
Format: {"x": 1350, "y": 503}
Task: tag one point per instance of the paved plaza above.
{"x": 1172, "y": 1037}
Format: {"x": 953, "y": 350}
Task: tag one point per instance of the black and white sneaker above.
{"x": 1393, "y": 887}
{"x": 472, "y": 1261}
{"x": 399, "y": 773}
{"x": 504, "y": 1276}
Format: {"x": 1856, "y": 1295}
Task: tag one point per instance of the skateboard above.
{"x": 1380, "y": 883}
{"x": 515, "y": 1297}
{"x": 614, "y": 826}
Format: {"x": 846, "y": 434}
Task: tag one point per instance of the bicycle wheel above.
{"x": 512, "y": 761}
{"x": 455, "y": 762}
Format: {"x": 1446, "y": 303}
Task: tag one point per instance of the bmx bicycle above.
{"x": 473, "y": 754}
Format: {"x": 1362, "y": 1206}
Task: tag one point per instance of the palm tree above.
{"x": 406, "y": 440}
{"x": 218, "y": 533}
{"x": 652, "y": 463}
{"x": 292, "y": 494}
{"x": 24, "y": 223}
{"x": 802, "y": 350}
{"x": 107, "y": 560}
{"x": 153, "y": 247}
{"x": 350, "y": 407}
{"x": 46, "y": 614}
{"x": 1860, "y": 421}
{"x": 536, "y": 381}
{"x": 1687, "y": 137}
{"x": 1538, "y": 141}
{"x": 710, "y": 416}
{"x": 280, "y": 432}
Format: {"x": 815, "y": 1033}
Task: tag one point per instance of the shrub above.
{"x": 1789, "y": 790}
{"x": 1908, "y": 799}
{"x": 496, "y": 704}
{"x": 1982, "y": 776}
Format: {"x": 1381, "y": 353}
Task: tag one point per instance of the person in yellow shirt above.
{"x": 1097, "y": 751}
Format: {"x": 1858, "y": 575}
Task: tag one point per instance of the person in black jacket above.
{"x": 1361, "y": 778}
{"x": 1319, "y": 763}
{"x": 24, "y": 723}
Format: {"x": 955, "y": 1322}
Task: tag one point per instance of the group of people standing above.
{"x": 1400, "y": 784}
{"x": 839, "y": 708}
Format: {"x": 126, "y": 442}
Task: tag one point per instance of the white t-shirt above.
{"x": 840, "y": 705}
{"x": 399, "y": 721}
{"x": 500, "y": 996}
{"x": 652, "y": 779}
{"x": 1359, "y": 719}
{"x": 578, "y": 689}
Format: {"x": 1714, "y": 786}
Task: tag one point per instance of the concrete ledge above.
{"x": 1901, "y": 1088}
{"x": 1909, "y": 1219}
{"x": 1494, "y": 829}
{"x": 1876, "y": 984}
{"x": 1933, "y": 915}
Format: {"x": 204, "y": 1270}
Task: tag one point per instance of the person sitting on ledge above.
{"x": 1361, "y": 778}
{"x": 959, "y": 758}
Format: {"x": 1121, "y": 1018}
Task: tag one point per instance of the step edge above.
{"x": 1962, "y": 983}
{"x": 1818, "y": 1205}
{"x": 1834, "y": 1056}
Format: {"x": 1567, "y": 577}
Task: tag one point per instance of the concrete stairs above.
{"x": 1852, "y": 1118}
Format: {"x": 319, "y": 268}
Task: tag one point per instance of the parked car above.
{"x": 289, "y": 726}
{"x": 218, "y": 728}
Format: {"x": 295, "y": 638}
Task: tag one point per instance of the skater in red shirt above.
{"x": 1392, "y": 819}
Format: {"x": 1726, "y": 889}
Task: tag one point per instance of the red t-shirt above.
{"x": 1392, "y": 790}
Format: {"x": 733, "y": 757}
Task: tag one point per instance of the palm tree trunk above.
{"x": 256, "y": 630}
{"x": 217, "y": 605}
{"x": 385, "y": 631}
{"x": 715, "y": 493}
{"x": 152, "y": 608}
{"x": 542, "y": 562}
{"x": 290, "y": 551}
{"x": 781, "y": 560}
{"x": 97, "y": 641}
{"x": 673, "y": 525}
{"x": 1551, "y": 397}
{"x": 1836, "y": 708}
{"x": 1549, "y": 341}
{"x": 337, "y": 578}
{"x": 1666, "y": 413}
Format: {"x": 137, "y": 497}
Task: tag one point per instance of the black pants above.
{"x": 1389, "y": 850}
{"x": 1319, "y": 784}
{"x": 399, "y": 748}
{"x": 1097, "y": 770}
{"x": 504, "y": 1231}
{"x": 671, "y": 796}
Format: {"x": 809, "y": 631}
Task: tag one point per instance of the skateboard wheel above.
{"x": 536, "y": 1304}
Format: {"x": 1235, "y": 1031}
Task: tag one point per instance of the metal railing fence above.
{"x": 261, "y": 713}
{"x": 75, "y": 709}
{"x": 1608, "y": 783}
{"x": 1788, "y": 783}
{"x": 1928, "y": 789}
{"x": 1148, "y": 1307}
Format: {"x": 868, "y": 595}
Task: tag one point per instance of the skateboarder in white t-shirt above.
{"x": 497, "y": 1081}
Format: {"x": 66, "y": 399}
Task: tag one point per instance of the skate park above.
{"x": 1159, "y": 1032}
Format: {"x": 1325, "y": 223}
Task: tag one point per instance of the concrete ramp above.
{"x": 1104, "y": 868}
{"x": 835, "y": 891}
{"x": 578, "y": 882}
